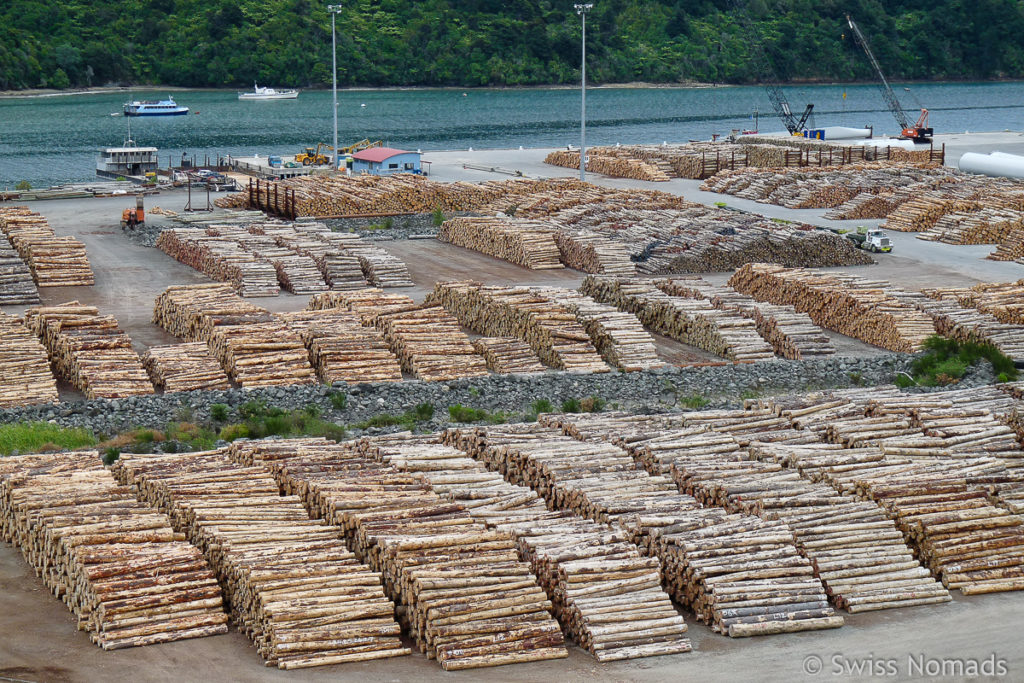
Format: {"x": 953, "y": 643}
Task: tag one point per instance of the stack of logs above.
{"x": 89, "y": 351}
{"x": 120, "y": 568}
{"x": 506, "y": 355}
{"x": 429, "y": 343}
{"x": 463, "y": 594}
{"x": 614, "y": 166}
{"x": 1003, "y": 300}
{"x": 606, "y": 596}
{"x": 221, "y": 259}
{"x": 366, "y": 304}
{"x": 292, "y": 585}
{"x": 551, "y": 330}
{"x": 343, "y": 350}
{"x": 184, "y": 367}
{"x": 25, "y": 377}
{"x": 690, "y": 321}
{"x": 593, "y": 253}
{"x": 527, "y": 243}
{"x": 853, "y": 306}
{"x": 16, "y": 285}
{"x": 923, "y": 212}
{"x": 54, "y": 261}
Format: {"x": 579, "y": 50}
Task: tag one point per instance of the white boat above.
{"x": 259, "y": 93}
{"x": 166, "y": 107}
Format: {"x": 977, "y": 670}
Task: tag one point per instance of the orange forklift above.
{"x": 134, "y": 218}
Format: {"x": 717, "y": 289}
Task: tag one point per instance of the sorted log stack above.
{"x": 89, "y": 351}
{"x": 985, "y": 226}
{"x": 293, "y": 587}
{"x": 343, "y": 350}
{"x": 710, "y": 561}
{"x": 1003, "y": 300}
{"x": 1011, "y": 248}
{"x": 867, "y": 205}
{"x": 506, "y": 355}
{"x": 614, "y": 166}
{"x": 617, "y": 335}
{"x": 25, "y": 377}
{"x": 433, "y": 555}
{"x": 184, "y": 367}
{"x": 16, "y": 284}
{"x": 221, "y": 259}
{"x": 342, "y": 272}
{"x": 607, "y": 597}
{"x": 261, "y": 354}
{"x": 429, "y": 343}
{"x": 551, "y": 330}
{"x": 922, "y": 212}
{"x": 193, "y": 311}
{"x": 299, "y": 274}
{"x": 858, "y": 308}
{"x": 120, "y": 568}
{"x": 791, "y": 334}
{"x": 54, "y": 261}
{"x": 367, "y": 304}
{"x": 970, "y": 325}
{"x": 594, "y": 253}
{"x": 527, "y": 243}
{"x": 690, "y": 321}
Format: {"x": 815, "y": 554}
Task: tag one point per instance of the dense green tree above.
{"x": 480, "y": 42}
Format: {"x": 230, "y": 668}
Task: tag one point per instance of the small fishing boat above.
{"x": 166, "y": 107}
{"x": 259, "y": 93}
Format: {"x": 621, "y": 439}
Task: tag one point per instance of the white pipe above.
{"x": 998, "y": 164}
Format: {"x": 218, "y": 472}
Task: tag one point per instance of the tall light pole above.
{"x": 335, "y": 10}
{"x": 582, "y": 10}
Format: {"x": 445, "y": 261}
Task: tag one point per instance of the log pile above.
{"x": 506, "y": 355}
{"x": 184, "y": 367}
{"x": 1011, "y": 248}
{"x": 853, "y": 306}
{"x": 221, "y": 259}
{"x": 970, "y": 325}
{"x": 292, "y": 585}
{"x": 791, "y": 334}
{"x": 617, "y": 335}
{"x": 1002, "y": 300}
{"x": 342, "y": 272}
{"x": 25, "y": 377}
{"x": 614, "y": 166}
{"x": 921, "y": 213}
{"x": 193, "y": 311}
{"x": 431, "y": 552}
{"x": 16, "y": 284}
{"x": 527, "y": 243}
{"x": 607, "y": 597}
{"x": 122, "y": 571}
{"x": 261, "y": 354}
{"x": 343, "y": 350}
{"x": 299, "y": 274}
{"x": 365, "y": 303}
{"x": 551, "y": 330}
{"x": 592, "y": 253}
{"x": 429, "y": 343}
{"x": 690, "y": 321}
{"x": 89, "y": 350}
{"x": 984, "y": 226}
{"x": 741, "y": 575}
{"x": 867, "y": 205}
{"x": 54, "y": 261}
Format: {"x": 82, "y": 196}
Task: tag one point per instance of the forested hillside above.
{"x": 492, "y": 42}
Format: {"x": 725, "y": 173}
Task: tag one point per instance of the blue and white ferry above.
{"x": 166, "y": 107}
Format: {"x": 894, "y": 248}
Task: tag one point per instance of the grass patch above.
{"x": 338, "y": 399}
{"x": 461, "y": 413}
{"x": 945, "y": 361}
{"x": 261, "y": 420}
{"x": 33, "y": 437}
{"x": 423, "y": 412}
{"x": 541, "y": 405}
{"x": 694, "y": 402}
{"x": 571, "y": 405}
{"x": 219, "y": 412}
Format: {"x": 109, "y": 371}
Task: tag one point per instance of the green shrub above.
{"x": 423, "y": 412}
{"x": 592, "y": 404}
{"x": 145, "y": 436}
{"x": 694, "y": 402}
{"x": 29, "y": 437}
{"x": 110, "y": 456}
{"x": 23, "y": 186}
{"x": 570, "y": 405}
{"x": 542, "y": 405}
{"x": 339, "y": 399}
{"x": 219, "y": 412}
{"x": 945, "y": 361}
{"x": 313, "y": 410}
{"x": 856, "y": 378}
{"x": 234, "y": 432}
{"x": 438, "y": 217}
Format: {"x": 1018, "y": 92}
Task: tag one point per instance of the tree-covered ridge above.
{"x": 490, "y": 42}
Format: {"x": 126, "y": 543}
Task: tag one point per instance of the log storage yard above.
{"x": 689, "y": 418}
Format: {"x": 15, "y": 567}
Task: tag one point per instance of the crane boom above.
{"x": 769, "y": 78}
{"x": 917, "y": 131}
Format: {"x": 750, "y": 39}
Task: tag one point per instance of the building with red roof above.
{"x": 385, "y": 161}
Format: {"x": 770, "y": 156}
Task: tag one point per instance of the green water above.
{"x": 48, "y": 140}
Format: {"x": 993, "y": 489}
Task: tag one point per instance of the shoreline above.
{"x": 632, "y": 85}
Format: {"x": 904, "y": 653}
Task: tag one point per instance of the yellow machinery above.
{"x": 313, "y": 157}
{"x": 359, "y": 146}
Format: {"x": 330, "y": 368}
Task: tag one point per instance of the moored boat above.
{"x": 166, "y": 107}
{"x": 261, "y": 93}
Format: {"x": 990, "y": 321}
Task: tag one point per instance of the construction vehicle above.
{"x": 919, "y": 131}
{"x": 360, "y": 146}
{"x": 312, "y": 156}
{"x": 134, "y": 218}
{"x": 769, "y": 79}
